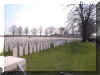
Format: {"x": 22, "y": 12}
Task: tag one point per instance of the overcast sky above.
{"x": 40, "y": 13}
{"x": 35, "y": 13}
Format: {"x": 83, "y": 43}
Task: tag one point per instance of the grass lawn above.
{"x": 75, "y": 56}
{"x": 1, "y": 54}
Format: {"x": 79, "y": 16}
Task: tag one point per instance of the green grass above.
{"x": 1, "y": 54}
{"x": 9, "y": 53}
{"x": 58, "y": 73}
{"x": 75, "y": 56}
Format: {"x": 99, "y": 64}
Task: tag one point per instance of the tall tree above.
{"x": 20, "y": 30}
{"x": 83, "y": 17}
{"x": 40, "y": 30}
{"x": 26, "y": 31}
{"x": 13, "y": 29}
{"x": 34, "y": 31}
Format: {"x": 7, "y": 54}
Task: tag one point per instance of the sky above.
{"x": 36, "y": 13}
{"x": 43, "y": 13}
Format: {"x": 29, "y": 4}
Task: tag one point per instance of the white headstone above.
{"x": 34, "y": 48}
{"x": 38, "y": 47}
{"x": 49, "y": 43}
{"x": 6, "y": 46}
{"x": 41, "y": 45}
{"x": 31, "y": 49}
{"x": 15, "y": 52}
{"x": 20, "y": 51}
{"x": 26, "y": 49}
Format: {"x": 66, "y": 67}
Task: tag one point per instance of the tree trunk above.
{"x": 84, "y": 33}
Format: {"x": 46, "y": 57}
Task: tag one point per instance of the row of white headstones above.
{"x": 20, "y": 46}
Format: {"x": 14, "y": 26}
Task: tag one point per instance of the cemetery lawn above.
{"x": 75, "y": 56}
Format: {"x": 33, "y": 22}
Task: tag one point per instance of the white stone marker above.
{"x": 26, "y": 49}
{"x": 41, "y": 45}
{"x": 6, "y": 46}
{"x": 49, "y": 43}
{"x": 20, "y": 51}
{"x": 34, "y": 45}
{"x": 10, "y": 46}
{"x": 38, "y": 47}
{"x": 15, "y": 52}
{"x": 46, "y": 45}
{"x": 54, "y": 43}
{"x": 30, "y": 49}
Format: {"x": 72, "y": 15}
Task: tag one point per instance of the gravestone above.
{"x": 10, "y": 46}
{"x": 38, "y": 47}
{"x": 26, "y": 49}
{"x": 6, "y": 46}
{"x": 35, "y": 47}
{"x": 54, "y": 43}
{"x": 44, "y": 45}
{"x": 20, "y": 51}
{"x": 49, "y": 43}
{"x": 15, "y": 52}
{"x": 30, "y": 48}
{"x": 41, "y": 45}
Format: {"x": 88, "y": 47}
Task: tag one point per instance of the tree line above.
{"x": 14, "y": 30}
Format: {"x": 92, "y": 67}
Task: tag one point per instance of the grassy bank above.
{"x": 70, "y": 57}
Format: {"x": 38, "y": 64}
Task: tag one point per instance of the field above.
{"x": 75, "y": 56}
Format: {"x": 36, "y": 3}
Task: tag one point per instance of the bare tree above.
{"x": 26, "y": 31}
{"x": 13, "y": 29}
{"x": 34, "y": 31}
{"x": 83, "y": 17}
{"x": 20, "y": 30}
{"x": 40, "y": 30}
